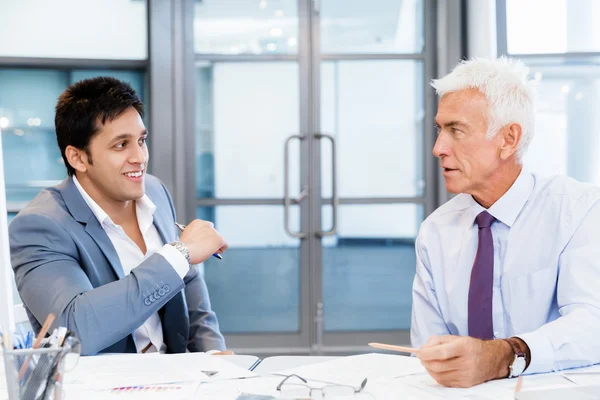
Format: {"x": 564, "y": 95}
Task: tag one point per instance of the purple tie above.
{"x": 482, "y": 281}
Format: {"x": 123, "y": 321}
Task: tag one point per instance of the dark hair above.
{"x": 86, "y": 102}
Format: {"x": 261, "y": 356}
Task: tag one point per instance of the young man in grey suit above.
{"x": 100, "y": 250}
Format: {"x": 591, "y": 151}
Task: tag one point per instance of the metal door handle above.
{"x": 334, "y": 196}
{"x": 287, "y": 201}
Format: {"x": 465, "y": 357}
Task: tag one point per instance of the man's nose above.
{"x": 137, "y": 155}
{"x": 440, "y": 148}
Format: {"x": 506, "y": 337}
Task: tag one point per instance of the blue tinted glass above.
{"x": 32, "y": 159}
{"x": 256, "y": 287}
{"x": 373, "y": 251}
{"x": 11, "y": 216}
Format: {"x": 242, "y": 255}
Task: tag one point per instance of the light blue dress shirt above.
{"x": 546, "y": 270}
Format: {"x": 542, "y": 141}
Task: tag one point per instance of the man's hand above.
{"x": 202, "y": 240}
{"x": 462, "y": 361}
{"x": 224, "y": 353}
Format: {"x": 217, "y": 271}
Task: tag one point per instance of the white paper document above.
{"x": 113, "y": 371}
{"x": 354, "y": 369}
{"x": 265, "y": 386}
{"x": 593, "y": 369}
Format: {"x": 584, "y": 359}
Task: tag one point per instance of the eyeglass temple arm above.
{"x": 362, "y": 385}
{"x": 290, "y": 376}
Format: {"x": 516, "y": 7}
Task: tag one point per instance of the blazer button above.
{"x": 161, "y": 292}
{"x": 167, "y": 288}
{"x": 147, "y": 301}
{"x": 151, "y": 297}
{"x": 156, "y": 295}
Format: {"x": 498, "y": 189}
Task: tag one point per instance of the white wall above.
{"x": 113, "y": 29}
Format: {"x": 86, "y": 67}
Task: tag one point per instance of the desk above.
{"x": 244, "y": 361}
{"x": 278, "y": 363}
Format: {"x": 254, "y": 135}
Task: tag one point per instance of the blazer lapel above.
{"x": 83, "y": 214}
{"x": 94, "y": 229}
{"x": 164, "y": 226}
{"x": 174, "y": 315}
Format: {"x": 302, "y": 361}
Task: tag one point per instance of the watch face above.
{"x": 518, "y": 366}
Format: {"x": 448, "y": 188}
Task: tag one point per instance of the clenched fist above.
{"x": 202, "y": 240}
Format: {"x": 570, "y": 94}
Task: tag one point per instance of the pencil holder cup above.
{"x": 37, "y": 374}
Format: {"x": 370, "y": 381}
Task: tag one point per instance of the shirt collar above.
{"x": 143, "y": 205}
{"x": 507, "y": 208}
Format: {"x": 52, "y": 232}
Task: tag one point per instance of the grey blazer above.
{"x": 65, "y": 264}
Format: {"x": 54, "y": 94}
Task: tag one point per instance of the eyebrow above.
{"x": 452, "y": 124}
{"x": 124, "y": 136}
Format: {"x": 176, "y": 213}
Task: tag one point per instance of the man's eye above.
{"x": 120, "y": 145}
{"x": 143, "y": 140}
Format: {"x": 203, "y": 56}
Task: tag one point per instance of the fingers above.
{"x": 456, "y": 379}
{"x": 224, "y": 353}
{"x": 455, "y": 361}
{"x": 437, "y": 366}
{"x": 441, "y": 348}
{"x": 202, "y": 240}
{"x": 436, "y": 340}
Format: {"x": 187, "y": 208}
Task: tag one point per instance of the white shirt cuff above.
{"x": 542, "y": 352}
{"x": 176, "y": 259}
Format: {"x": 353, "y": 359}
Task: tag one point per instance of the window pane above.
{"x": 10, "y": 216}
{"x": 136, "y": 78}
{"x": 113, "y": 29}
{"x": 357, "y": 26}
{"x": 246, "y": 27}
{"x": 379, "y": 137}
{"x": 256, "y": 287}
{"x": 552, "y": 26}
{"x": 32, "y": 159}
{"x": 567, "y": 122}
{"x": 16, "y": 297}
{"x": 245, "y": 112}
{"x": 372, "y": 252}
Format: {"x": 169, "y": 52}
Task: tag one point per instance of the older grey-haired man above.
{"x": 508, "y": 270}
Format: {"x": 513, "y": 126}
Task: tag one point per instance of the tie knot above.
{"x": 484, "y": 219}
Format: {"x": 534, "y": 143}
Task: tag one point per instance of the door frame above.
{"x": 311, "y": 339}
{"x": 349, "y": 342}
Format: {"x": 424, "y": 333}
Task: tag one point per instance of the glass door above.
{"x": 251, "y": 160}
{"x": 373, "y": 148}
{"x": 311, "y": 159}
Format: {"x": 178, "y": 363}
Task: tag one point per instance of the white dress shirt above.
{"x": 546, "y": 286}
{"x": 131, "y": 256}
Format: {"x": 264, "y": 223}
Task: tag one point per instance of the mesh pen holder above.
{"x": 37, "y": 374}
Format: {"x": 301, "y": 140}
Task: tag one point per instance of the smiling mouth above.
{"x": 135, "y": 174}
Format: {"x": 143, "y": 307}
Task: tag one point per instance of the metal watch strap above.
{"x": 182, "y": 248}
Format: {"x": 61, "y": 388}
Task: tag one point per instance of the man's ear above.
{"x": 77, "y": 158}
{"x": 511, "y": 138}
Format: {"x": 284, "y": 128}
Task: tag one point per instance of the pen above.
{"x": 38, "y": 341}
{"x": 182, "y": 227}
{"x": 392, "y": 347}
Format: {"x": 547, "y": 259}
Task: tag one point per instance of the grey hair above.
{"x": 510, "y": 94}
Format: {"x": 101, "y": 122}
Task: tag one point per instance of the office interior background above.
{"x": 302, "y": 128}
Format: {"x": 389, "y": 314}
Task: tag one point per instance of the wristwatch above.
{"x": 519, "y": 363}
{"x": 182, "y": 248}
